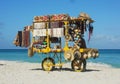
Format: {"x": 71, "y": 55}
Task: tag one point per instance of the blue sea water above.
{"x": 107, "y": 56}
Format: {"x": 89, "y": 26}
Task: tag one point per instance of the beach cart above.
{"x": 61, "y": 35}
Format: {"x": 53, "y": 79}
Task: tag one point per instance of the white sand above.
{"x": 31, "y": 73}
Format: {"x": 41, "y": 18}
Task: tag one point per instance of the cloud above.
{"x": 105, "y": 41}
{"x": 111, "y": 38}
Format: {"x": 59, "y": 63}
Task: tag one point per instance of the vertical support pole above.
{"x": 33, "y": 38}
{"x": 48, "y": 43}
{"x": 61, "y": 51}
{"x": 66, "y": 34}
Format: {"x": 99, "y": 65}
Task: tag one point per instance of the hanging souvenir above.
{"x": 27, "y": 38}
{"x": 58, "y": 32}
{"x": 54, "y": 24}
{"x": 90, "y": 31}
{"x": 54, "y": 40}
{"x": 20, "y": 38}
{"x": 39, "y": 25}
{"x": 28, "y": 28}
{"x": 16, "y": 40}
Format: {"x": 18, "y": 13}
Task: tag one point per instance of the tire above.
{"x": 78, "y": 64}
{"x": 48, "y": 64}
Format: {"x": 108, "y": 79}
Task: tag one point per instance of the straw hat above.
{"x": 82, "y": 14}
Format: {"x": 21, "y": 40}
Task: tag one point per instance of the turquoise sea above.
{"x": 109, "y": 57}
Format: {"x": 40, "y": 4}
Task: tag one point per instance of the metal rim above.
{"x": 48, "y": 64}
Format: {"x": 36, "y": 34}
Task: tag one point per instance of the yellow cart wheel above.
{"x": 78, "y": 65}
{"x": 48, "y": 64}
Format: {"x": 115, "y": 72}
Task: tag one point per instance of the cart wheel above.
{"x": 48, "y": 64}
{"x": 78, "y": 65}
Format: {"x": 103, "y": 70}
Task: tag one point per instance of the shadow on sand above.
{"x": 67, "y": 69}
{"x": 2, "y": 64}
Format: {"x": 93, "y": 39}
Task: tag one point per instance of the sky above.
{"x": 15, "y": 14}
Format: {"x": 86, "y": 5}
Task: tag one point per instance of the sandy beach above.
{"x": 12, "y": 72}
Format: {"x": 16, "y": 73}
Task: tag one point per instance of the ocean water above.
{"x": 110, "y": 57}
